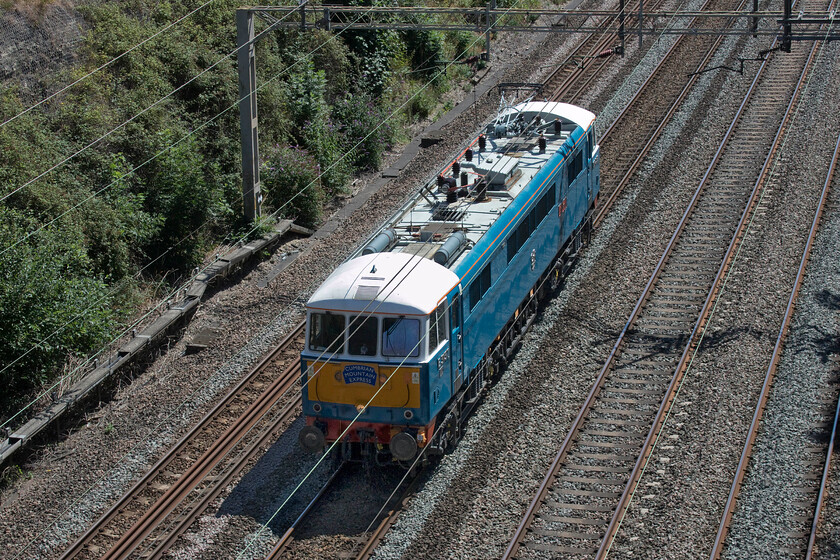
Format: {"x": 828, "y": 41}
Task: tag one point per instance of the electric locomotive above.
{"x": 403, "y": 337}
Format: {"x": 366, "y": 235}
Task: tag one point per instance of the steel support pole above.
{"x": 302, "y": 15}
{"x": 641, "y": 23}
{"x": 491, "y": 5}
{"x": 621, "y": 26}
{"x": 246, "y": 63}
{"x": 786, "y": 33}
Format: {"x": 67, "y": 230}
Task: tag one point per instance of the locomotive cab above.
{"x": 376, "y": 368}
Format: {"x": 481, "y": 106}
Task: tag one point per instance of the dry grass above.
{"x": 34, "y": 10}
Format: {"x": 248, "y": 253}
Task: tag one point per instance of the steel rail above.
{"x": 614, "y": 523}
{"x": 373, "y": 539}
{"x": 387, "y": 522}
{"x": 184, "y": 519}
{"x": 663, "y": 122}
{"x": 122, "y": 504}
{"x": 812, "y": 539}
{"x": 599, "y": 62}
{"x": 198, "y": 470}
{"x": 665, "y": 404}
{"x": 824, "y": 480}
{"x": 746, "y": 453}
{"x": 592, "y": 46}
{"x": 204, "y": 424}
{"x": 287, "y": 537}
{"x": 383, "y": 524}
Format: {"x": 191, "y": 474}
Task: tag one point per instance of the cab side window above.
{"x": 400, "y": 337}
{"x": 437, "y": 327}
{"x": 326, "y": 332}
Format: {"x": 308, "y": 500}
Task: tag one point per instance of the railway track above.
{"x": 562, "y": 81}
{"x": 149, "y": 518}
{"x": 812, "y": 488}
{"x": 813, "y": 543}
{"x": 652, "y": 107}
{"x": 180, "y": 486}
{"x": 582, "y": 63}
{"x": 331, "y": 494}
{"x": 581, "y": 501}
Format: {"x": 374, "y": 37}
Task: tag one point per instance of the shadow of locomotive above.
{"x": 352, "y": 502}
{"x": 261, "y": 492}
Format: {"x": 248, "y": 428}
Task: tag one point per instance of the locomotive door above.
{"x": 563, "y": 193}
{"x": 456, "y": 343}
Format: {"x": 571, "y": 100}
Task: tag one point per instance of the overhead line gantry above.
{"x": 804, "y": 26}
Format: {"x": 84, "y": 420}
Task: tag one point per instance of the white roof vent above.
{"x": 366, "y": 292}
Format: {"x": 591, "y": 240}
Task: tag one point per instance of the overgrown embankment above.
{"x": 128, "y": 178}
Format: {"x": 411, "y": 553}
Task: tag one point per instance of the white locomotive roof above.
{"x": 429, "y": 225}
{"x": 389, "y": 283}
{"x": 549, "y": 111}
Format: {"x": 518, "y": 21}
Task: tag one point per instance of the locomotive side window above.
{"x": 535, "y": 217}
{"x": 574, "y": 166}
{"x": 455, "y": 312}
{"x": 362, "y": 336}
{"x": 545, "y": 204}
{"x": 542, "y": 211}
{"x": 481, "y": 283}
{"x": 437, "y": 327}
{"x": 400, "y": 337}
{"x": 326, "y": 332}
{"x": 511, "y": 247}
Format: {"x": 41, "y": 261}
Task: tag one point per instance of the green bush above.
{"x": 427, "y": 54}
{"x": 184, "y": 198}
{"x": 51, "y": 304}
{"x": 290, "y": 184}
{"x": 313, "y": 127}
{"x": 365, "y": 129}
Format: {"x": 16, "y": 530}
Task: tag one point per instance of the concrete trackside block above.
{"x": 218, "y": 269}
{"x": 197, "y": 289}
{"x": 431, "y": 138}
{"x": 161, "y": 326}
{"x": 134, "y": 345}
{"x": 238, "y": 257}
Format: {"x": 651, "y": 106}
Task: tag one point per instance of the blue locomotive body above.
{"x": 403, "y": 337}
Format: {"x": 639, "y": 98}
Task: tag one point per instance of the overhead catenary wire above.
{"x": 113, "y": 290}
{"x": 176, "y": 412}
{"x": 96, "y": 354}
{"x": 418, "y": 261}
{"x": 243, "y": 236}
{"x": 106, "y": 64}
{"x": 363, "y": 408}
{"x": 689, "y": 368}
